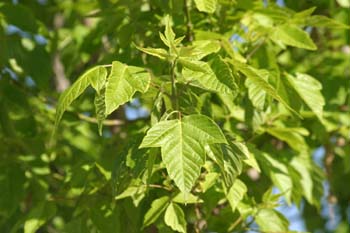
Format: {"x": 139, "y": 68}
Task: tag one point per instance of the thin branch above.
{"x": 235, "y": 224}
{"x": 107, "y": 65}
{"x": 255, "y": 49}
{"x": 159, "y": 187}
{"x": 105, "y": 122}
{"x": 189, "y": 24}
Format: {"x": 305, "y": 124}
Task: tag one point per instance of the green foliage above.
{"x": 208, "y": 115}
{"x": 182, "y": 142}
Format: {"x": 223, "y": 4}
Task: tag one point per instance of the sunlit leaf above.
{"x": 182, "y": 144}
{"x": 208, "y": 6}
{"x": 236, "y": 193}
{"x": 94, "y": 76}
{"x": 157, "y": 52}
{"x": 290, "y": 135}
{"x": 216, "y": 78}
{"x": 122, "y": 83}
{"x": 309, "y": 90}
{"x": 175, "y": 218}
{"x": 293, "y": 36}
{"x": 258, "y": 80}
{"x": 270, "y": 220}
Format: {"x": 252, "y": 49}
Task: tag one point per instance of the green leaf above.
{"x": 255, "y": 92}
{"x": 270, "y": 220}
{"x": 190, "y": 199}
{"x": 293, "y": 36}
{"x": 219, "y": 78}
{"x": 208, "y": 6}
{"x": 104, "y": 217}
{"x": 182, "y": 144}
{"x": 158, "y": 206}
{"x": 323, "y": 21}
{"x": 344, "y": 3}
{"x": 169, "y": 36}
{"x": 209, "y": 181}
{"x": 255, "y": 76}
{"x": 157, "y": 52}
{"x": 270, "y": 199}
{"x": 198, "y": 66}
{"x": 251, "y": 161}
{"x": 236, "y": 193}
{"x": 229, "y": 158}
{"x": 277, "y": 171}
{"x": 135, "y": 192}
{"x": 309, "y": 90}
{"x": 200, "y": 49}
{"x": 94, "y": 76}
{"x": 302, "y": 166}
{"x": 122, "y": 84}
{"x": 12, "y": 181}
{"x": 175, "y": 218}
{"x": 38, "y": 216}
{"x": 291, "y": 136}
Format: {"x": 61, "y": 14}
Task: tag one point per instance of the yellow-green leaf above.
{"x": 208, "y": 6}
{"x": 182, "y": 144}
{"x": 122, "y": 83}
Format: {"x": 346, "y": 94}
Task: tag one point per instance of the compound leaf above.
{"x": 182, "y": 143}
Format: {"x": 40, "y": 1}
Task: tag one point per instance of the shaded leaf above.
{"x": 38, "y": 216}
{"x": 158, "y": 206}
{"x": 229, "y": 158}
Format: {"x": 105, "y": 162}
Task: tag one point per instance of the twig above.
{"x": 105, "y": 122}
{"x": 255, "y": 49}
{"x": 159, "y": 186}
{"x": 189, "y": 24}
{"x": 235, "y": 224}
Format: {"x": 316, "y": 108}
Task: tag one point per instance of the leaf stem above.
{"x": 174, "y": 94}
